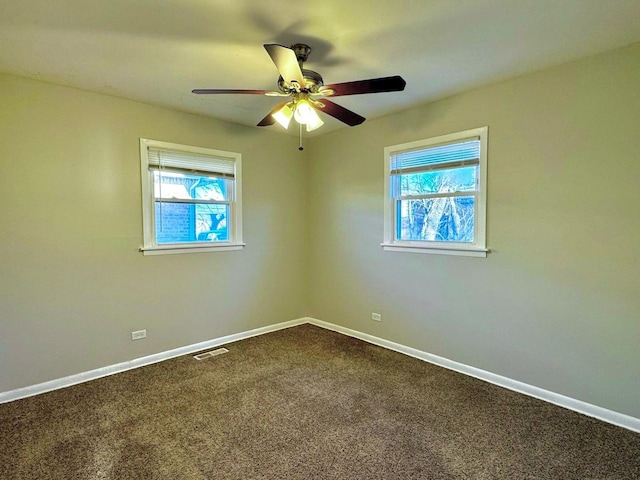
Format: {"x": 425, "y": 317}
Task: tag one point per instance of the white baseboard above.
{"x": 609, "y": 416}
{"x": 139, "y": 362}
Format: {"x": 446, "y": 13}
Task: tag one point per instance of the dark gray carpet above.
{"x": 304, "y": 403}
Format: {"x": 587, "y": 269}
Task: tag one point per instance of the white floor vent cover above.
{"x": 211, "y": 353}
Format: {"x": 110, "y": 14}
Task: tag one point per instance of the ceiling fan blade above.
{"x": 224, "y": 90}
{"x": 344, "y": 115}
{"x": 373, "y": 85}
{"x": 269, "y": 120}
{"x": 286, "y": 63}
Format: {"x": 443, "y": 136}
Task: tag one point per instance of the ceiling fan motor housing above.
{"x": 302, "y": 52}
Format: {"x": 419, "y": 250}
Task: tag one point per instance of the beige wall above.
{"x": 557, "y": 302}
{"x": 73, "y": 284}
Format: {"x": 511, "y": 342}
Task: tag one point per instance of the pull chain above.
{"x": 300, "y": 147}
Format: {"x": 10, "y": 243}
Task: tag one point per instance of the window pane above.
{"x": 462, "y": 179}
{"x": 212, "y": 223}
{"x": 443, "y": 219}
{"x": 184, "y": 222}
{"x": 184, "y": 186}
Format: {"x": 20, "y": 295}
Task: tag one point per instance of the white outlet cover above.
{"x": 138, "y": 334}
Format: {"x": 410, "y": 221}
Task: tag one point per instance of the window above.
{"x": 191, "y": 198}
{"x": 435, "y": 195}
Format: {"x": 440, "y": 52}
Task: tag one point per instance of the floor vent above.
{"x": 211, "y": 353}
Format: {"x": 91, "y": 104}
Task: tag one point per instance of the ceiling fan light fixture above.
{"x": 305, "y": 113}
{"x": 283, "y": 116}
{"x": 314, "y": 124}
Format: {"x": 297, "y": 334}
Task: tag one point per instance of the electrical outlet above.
{"x": 138, "y": 334}
{"x": 376, "y": 316}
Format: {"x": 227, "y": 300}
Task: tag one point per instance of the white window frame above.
{"x": 151, "y": 247}
{"x": 476, "y": 249}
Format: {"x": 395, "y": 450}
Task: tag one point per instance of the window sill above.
{"x": 172, "y": 249}
{"x": 439, "y": 250}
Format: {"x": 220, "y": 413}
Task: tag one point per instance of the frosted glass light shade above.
{"x": 304, "y": 112}
{"x": 315, "y": 123}
{"x": 283, "y": 116}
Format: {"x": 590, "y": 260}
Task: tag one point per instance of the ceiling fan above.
{"x": 307, "y": 91}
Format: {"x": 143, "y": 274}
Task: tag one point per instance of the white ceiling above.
{"x": 157, "y": 51}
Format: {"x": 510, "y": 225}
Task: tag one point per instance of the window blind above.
{"x": 183, "y": 162}
{"x": 457, "y": 154}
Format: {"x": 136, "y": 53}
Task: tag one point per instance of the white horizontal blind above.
{"x": 466, "y": 152}
{"x": 192, "y": 163}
